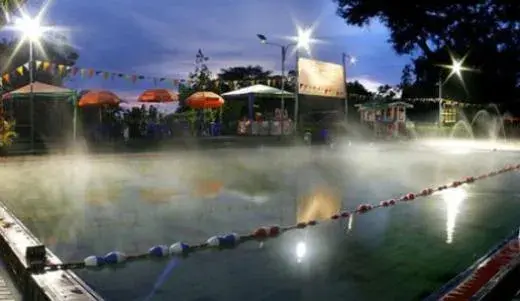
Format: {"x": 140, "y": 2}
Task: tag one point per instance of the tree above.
{"x": 356, "y": 88}
{"x": 198, "y": 80}
{"x": 244, "y": 73}
{"x": 485, "y": 30}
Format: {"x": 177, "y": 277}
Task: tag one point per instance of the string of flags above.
{"x": 87, "y": 73}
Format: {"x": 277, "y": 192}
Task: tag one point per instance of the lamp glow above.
{"x": 304, "y": 39}
{"x": 30, "y": 27}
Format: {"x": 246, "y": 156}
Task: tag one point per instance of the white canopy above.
{"x": 40, "y": 88}
{"x": 259, "y": 90}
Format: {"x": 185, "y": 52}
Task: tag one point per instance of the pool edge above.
{"x": 51, "y": 286}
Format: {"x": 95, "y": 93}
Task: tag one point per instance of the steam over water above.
{"x": 82, "y": 205}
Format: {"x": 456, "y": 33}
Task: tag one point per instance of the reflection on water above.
{"x": 321, "y": 203}
{"x": 301, "y": 251}
{"x": 453, "y": 199}
{"x": 350, "y": 222}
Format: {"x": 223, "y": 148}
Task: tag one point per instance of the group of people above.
{"x": 266, "y": 126}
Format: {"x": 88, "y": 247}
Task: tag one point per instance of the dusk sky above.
{"x": 161, "y": 37}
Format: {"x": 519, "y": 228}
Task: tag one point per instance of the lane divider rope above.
{"x": 232, "y": 240}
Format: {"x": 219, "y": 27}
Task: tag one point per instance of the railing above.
{"x": 17, "y": 246}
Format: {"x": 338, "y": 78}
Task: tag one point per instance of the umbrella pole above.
{"x": 74, "y": 117}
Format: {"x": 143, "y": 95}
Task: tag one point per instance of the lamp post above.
{"x": 32, "y": 32}
{"x": 303, "y": 40}
{"x": 284, "y": 49}
{"x": 456, "y": 68}
{"x": 346, "y": 59}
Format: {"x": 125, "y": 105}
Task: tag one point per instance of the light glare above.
{"x": 30, "y": 27}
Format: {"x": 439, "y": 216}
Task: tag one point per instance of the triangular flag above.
{"x": 82, "y": 72}
{"x": 38, "y": 64}
{"x": 61, "y": 69}
{"x": 74, "y": 71}
{"x": 106, "y": 75}
{"x": 90, "y": 72}
{"x": 26, "y": 66}
{"x": 6, "y": 77}
{"x": 134, "y": 78}
{"x": 46, "y": 66}
{"x": 20, "y": 70}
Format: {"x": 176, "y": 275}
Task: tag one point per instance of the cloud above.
{"x": 369, "y": 84}
{"x": 160, "y": 38}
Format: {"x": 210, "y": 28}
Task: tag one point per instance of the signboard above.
{"x": 321, "y": 78}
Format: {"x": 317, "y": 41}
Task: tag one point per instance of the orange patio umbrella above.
{"x": 98, "y": 98}
{"x": 158, "y": 95}
{"x": 205, "y": 100}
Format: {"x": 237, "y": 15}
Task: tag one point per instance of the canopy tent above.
{"x": 36, "y": 91}
{"x": 39, "y": 89}
{"x": 260, "y": 91}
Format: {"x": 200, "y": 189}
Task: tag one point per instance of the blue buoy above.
{"x": 229, "y": 240}
{"x": 93, "y": 261}
{"x": 114, "y": 257}
{"x": 158, "y": 251}
{"x": 179, "y": 248}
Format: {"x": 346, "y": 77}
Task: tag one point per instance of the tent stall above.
{"x": 257, "y": 91}
{"x": 46, "y": 116}
{"x": 258, "y": 127}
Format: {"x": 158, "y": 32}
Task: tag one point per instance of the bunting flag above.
{"x": 64, "y": 70}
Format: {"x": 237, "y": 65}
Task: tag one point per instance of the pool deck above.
{"x": 492, "y": 277}
{"x": 17, "y": 283}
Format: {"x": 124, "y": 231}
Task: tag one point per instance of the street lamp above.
{"x": 32, "y": 32}
{"x": 347, "y": 59}
{"x": 303, "y": 40}
{"x": 455, "y": 68}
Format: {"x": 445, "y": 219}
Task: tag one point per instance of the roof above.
{"x": 39, "y": 88}
{"x": 259, "y": 90}
{"x": 383, "y": 105}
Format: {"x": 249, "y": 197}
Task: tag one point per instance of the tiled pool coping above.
{"x": 52, "y": 286}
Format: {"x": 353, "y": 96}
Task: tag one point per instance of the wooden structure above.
{"x": 386, "y": 119}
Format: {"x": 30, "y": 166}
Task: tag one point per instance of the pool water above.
{"x": 80, "y": 206}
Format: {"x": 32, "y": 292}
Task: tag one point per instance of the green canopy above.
{"x": 39, "y": 89}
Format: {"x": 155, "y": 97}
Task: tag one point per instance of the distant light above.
{"x": 457, "y": 67}
{"x": 353, "y": 60}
